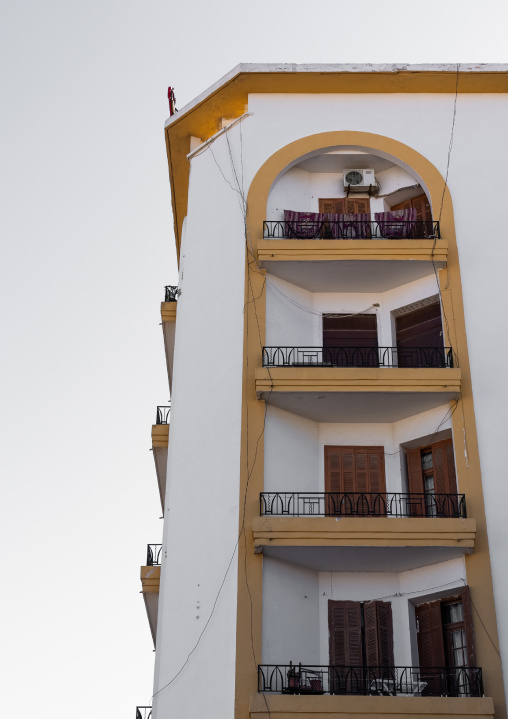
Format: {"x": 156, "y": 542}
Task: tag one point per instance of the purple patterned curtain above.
{"x": 310, "y": 225}
{"x": 396, "y": 224}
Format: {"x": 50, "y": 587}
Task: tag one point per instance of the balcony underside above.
{"x": 168, "y": 316}
{"x": 321, "y": 271}
{"x": 351, "y": 394}
{"x": 371, "y": 558}
{"x": 347, "y": 707}
{"x": 150, "y": 583}
{"x": 160, "y": 457}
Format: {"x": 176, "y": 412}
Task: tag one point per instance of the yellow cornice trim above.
{"x": 275, "y": 706}
{"x": 355, "y": 379}
{"x": 321, "y": 250}
{"x": 168, "y": 311}
{"x": 150, "y": 579}
{"x": 359, "y": 531}
{"x": 160, "y": 435}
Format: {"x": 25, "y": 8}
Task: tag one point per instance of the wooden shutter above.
{"x": 345, "y": 627}
{"x": 421, "y": 328}
{"x": 445, "y": 480}
{"x": 431, "y": 650}
{"x": 414, "y": 471}
{"x": 378, "y": 634}
{"x": 354, "y": 469}
{"x": 332, "y": 205}
{"x": 402, "y": 206}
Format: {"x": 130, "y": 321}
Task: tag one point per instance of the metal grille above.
{"x": 153, "y": 555}
{"x": 163, "y": 415}
{"x": 361, "y": 504}
{"x": 350, "y": 230}
{"x": 170, "y": 293}
{"x": 377, "y": 681}
{"x": 358, "y": 357}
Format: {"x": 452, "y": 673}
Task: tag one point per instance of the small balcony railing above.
{"x": 358, "y": 357}
{"x": 153, "y": 555}
{"x": 350, "y": 230}
{"x": 163, "y": 415}
{"x": 143, "y": 712}
{"x": 170, "y": 293}
{"x": 377, "y": 681}
{"x": 361, "y": 504}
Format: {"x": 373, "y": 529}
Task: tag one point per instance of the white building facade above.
{"x": 331, "y": 478}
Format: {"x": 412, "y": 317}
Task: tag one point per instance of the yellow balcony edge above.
{"x": 150, "y": 579}
{"x": 326, "y": 250}
{"x": 286, "y": 707}
{"x": 359, "y": 531}
{"x": 160, "y": 435}
{"x": 168, "y": 311}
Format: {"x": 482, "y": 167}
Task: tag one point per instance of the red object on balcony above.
{"x": 171, "y": 100}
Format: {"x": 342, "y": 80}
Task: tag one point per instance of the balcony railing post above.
{"x": 162, "y": 415}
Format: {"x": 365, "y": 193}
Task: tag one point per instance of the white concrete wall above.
{"x": 294, "y": 446}
{"x": 290, "y": 613}
{"x": 202, "y": 497}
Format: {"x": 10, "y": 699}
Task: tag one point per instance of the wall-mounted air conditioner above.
{"x": 359, "y": 180}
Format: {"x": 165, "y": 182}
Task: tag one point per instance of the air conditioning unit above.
{"x": 359, "y": 180}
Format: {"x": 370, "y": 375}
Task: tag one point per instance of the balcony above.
{"x": 362, "y": 504}
{"x": 350, "y": 229}
{"x": 370, "y": 681}
{"x": 357, "y": 384}
{"x": 143, "y": 712}
{"x": 150, "y": 585}
{"x": 168, "y": 318}
{"x": 160, "y": 440}
{"x": 153, "y": 554}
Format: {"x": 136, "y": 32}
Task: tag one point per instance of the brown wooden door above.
{"x": 421, "y": 205}
{"x": 378, "y": 634}
{"x": 419, "y": 337}
{"x": 350, "y": 341}
{"x": 355, "y": 479}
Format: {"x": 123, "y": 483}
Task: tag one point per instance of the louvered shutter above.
{"x": 415, "y": 482}
{"x": 431, "y": 650}
{"x": 468, "y": 623}
{"x": 422, "y": 207}
{"x": 445, "y": 480}
{"x": 376, "y": 469}
{"x": 378, "y": 634}
{"x": 354, "y": 469}
{"x": 345, "y": 626}
{"x": 402, "y": 206}
{"x": 361, "y": 474}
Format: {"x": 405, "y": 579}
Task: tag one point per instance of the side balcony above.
{"x": 168, "y": 317}
{"x": 357, "y": 384}
{"x": 378, "y": 531}
{"x": 320, "y": 253}
{"x": 160, "y": 440}
{"x": 150, "y": 583}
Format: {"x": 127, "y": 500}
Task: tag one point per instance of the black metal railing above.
{"x": 170, "y": 293}
{"x": 153, "y": 555}
{"x": 350, "y": 230}
{"x": 358, "y": 357}
{"x": 143, "y": 712}
{"x": 361, "y": 504}
{"x": 163, "y": 415}
{"x": 377, "y": 681}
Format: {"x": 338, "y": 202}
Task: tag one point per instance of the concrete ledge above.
{"x": 150, "y": 579}
{"x": 168, "y": 311}
{"x": 356, "y": 379}
{"x": 277, "y": 706}
{"x": 364, "y": 531}
{"x": 160, "y": 435}
{"x": 321, "y": 250}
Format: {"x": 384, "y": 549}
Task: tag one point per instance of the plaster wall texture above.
{"x": 291, "y": 620}
{"x": 204, "y": 455}
{"x": 294, "y": 446}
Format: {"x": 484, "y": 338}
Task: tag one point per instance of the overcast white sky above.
{"x": 87, "y": 247}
